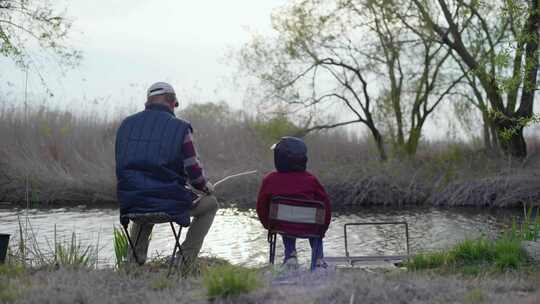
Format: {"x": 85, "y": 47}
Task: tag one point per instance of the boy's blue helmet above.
{"x": 290, "y": 154}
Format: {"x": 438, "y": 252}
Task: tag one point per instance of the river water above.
{"x": 237, "y": 236}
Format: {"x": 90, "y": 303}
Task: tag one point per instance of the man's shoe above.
{"x": 321, "y": 263}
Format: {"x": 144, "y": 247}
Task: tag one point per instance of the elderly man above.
{"x": 155, "y": 161}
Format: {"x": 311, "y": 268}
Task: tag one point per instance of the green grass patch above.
{"x": 9, "y": 292}
{"x": 11, "y": 282}
{"x": 474, "y": 256}
{"x": 161, "y": 283}
{"x": 509, "y": 254}
{"x": 428, "y": 261}
{"x": 229, "y": 281}
{"x": 475, "y": 296}
{"x": 11, "y": 270}
{"x": 473, "y": 251}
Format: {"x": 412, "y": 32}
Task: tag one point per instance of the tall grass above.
{"x": 63, "y": 253}
{"x": 529, "y": 229}
{"x": 121, "y": 246}
{"x": 70, "y": 158}
{"x": 74, "y": 254}
{"x": 53, "y": 156}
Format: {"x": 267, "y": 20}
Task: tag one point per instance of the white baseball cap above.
{"x": 159, "y": 88}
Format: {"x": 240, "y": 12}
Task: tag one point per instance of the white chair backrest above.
{"x": 308, "y": 212}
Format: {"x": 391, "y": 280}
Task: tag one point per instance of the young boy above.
{"x": 292, "y": 180}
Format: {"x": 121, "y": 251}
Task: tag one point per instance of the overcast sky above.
{"x": 129, "y": 44}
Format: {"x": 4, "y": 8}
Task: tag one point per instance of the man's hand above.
{"x": 208, "y": 188}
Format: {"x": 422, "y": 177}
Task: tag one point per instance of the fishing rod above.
{"x": 234, "y": 176}
{"x": 226, "y": 179}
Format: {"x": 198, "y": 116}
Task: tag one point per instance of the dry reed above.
{"x": 69, "y": 160}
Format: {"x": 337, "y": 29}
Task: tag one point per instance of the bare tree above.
{"x": 314, "y": 63}
{"x": 361, "y": 55}
{"x": 414, "y": 69}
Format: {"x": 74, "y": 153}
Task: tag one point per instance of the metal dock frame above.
{"x": 397, "y": 258}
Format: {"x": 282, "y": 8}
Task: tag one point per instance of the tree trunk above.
{"x": 494, "y": 138}
{"x": 412, "y": 143}
{"x": 379, "y": 142}
{"x": 515, "y": 144}
{"x": 488, "y": 145}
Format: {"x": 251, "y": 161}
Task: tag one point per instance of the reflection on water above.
{"x": 237, "y": 236}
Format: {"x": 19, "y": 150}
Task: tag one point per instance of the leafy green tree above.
{"x": 496, "y": 42}
{"x": 273, "y": 128}
{"x": 216, "y": 113}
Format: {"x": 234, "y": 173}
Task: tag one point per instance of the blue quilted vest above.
{"x": 149, "y": 164}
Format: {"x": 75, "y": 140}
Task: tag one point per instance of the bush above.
{"x": 273, "y": 129}
{"x": 227, "y": 281}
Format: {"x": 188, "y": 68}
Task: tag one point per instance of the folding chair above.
{"x": 152, "y": 218}
{"x": 288, "y": 215}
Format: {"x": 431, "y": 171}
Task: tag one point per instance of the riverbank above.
{"x": 482, "y": 270}
{"x": 80, "y": 286}
{"x": 508, "y": 190}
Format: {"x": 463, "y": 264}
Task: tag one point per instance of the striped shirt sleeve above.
{"x": 192, "y": 165}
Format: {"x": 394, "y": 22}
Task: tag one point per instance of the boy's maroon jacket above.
{"x": 300, "y": 184}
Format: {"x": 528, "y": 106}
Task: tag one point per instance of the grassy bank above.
{"x": 80, "y": 286}
{"x": 473, "y": 271}
{"x": 53, "y": 157}
{"x": 474, "y": 257}
{"x": 483, "y": 255}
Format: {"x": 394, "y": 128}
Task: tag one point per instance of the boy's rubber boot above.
{"x": 292, "y": 262}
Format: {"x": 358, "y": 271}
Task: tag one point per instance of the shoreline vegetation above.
{"x": 56, "y": 158}
{"x": 473, "y": 271}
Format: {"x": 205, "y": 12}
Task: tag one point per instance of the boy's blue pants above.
{"x": 316, "y": 249}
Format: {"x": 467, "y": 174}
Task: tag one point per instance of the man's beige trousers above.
{"x": 203, "y": 216}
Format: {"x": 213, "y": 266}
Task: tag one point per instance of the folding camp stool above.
{"x": 152, "y": 218}
{"x": 305, "y": 213}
